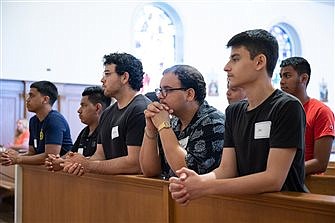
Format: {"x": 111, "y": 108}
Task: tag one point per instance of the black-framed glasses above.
{"x": 164, "y": 91}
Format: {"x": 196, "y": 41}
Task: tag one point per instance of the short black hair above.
{"x": 190, "y": 77}
{"x": 127, "y": 63}
{"x": 46, "y": 88}
{"x": 299, "y": 64}
{"x": 96, "y": 95}
{"x": 258, "y": 41}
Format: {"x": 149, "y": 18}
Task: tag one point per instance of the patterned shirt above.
{"x": 202, "y": 139}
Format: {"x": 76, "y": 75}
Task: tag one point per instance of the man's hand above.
{"x": 155, "y": 114}
{"x": 53, "y": 162}
{"x": 186, "y": 187}
{"x": 9, "y": 157}
{"x": 75, "y": 164}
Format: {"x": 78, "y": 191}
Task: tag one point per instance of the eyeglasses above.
{"x": 164, "y": 91}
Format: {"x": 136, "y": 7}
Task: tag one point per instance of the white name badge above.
{"x": 183, "y": 142}
{"x": 262, "y": 130}
{"x": 80, "y": 151}
{"x": 115, "y": 132}
{"x": 35, "y": 143}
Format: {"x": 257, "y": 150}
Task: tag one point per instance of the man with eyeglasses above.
{"x": 182, "y": 130}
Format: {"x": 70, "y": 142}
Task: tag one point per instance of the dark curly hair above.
{"x": 190, "y": 77}
{"x": 127, "y": 63}
{"x": 258, "y": 41}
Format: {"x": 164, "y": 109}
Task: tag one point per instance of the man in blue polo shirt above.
{"x": 49, "y": 131}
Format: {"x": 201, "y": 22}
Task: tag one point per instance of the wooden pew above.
{"x": 7, "y": 181}
{"x": 330, "y": 169}
{"x": 321, "y": 184}
{"x": 270, "y": 207}
{"x": 59, "y": 197}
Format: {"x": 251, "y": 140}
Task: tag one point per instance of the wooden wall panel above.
{"x": 11, "y": 108}
{"x": 70, "y": 97}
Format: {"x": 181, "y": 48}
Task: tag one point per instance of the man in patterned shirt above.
{"x": 190, "y": 131}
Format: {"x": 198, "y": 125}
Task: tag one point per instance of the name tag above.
{"x": 35, "y": 143}
{"x": 80, "y": 151}
{"x": 183, "y": 142}
{"x": 262, "y": 130}
{"x": 115, "y": 132}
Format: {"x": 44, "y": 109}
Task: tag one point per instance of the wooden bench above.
{"x": 7, "y": 181}
{"x": 321, "y": 184}
{"x": 59, "y": 197}
{"x": 330, "y": 169}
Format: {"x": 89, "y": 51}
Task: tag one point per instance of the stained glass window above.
{"x": 155, "y": 43}
{"x": 285, "y": 50}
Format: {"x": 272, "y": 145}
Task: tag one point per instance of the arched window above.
{"x": 289, "y": 45}
{"x": 157, "y": 41}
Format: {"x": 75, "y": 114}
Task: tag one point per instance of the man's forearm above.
{"x": 32, "y": 159}
{"x": 119, "y": 165}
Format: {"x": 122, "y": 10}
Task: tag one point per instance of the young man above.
{"x": 192, "y": 138}
{"x": 235, "y": 94}
{"x": 122, "y": 124}
{"x": 49, "y": 131}
{"x": 295, "y": 74}
{"x": 264, "y": 135}
{"x": 93, "y": 103}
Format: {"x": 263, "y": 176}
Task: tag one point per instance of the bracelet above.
{"x": 148, "y": 136}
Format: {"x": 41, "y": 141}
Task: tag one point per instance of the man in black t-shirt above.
{"x": 121, "y": 125}
{"x": 264, "y": 135}
{"x": 92, "y": 104}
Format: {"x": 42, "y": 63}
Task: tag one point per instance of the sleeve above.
{"x": 101, "y": 124}
{"x": 135, "y": 128}
{"x": 288, "y": 126}
{"x": 54, "y": 130}
{"x": 325, "y": 123}
{"x": 204, "y": 149}
{"x": 31, "y": 132}
{"x": 76, "y": 144}
{"x": 228, "y": 133}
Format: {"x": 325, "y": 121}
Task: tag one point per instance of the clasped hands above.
{"x": 73, "y": 163}
{"x": 186, "y": 186}
{"x": 9, "y": 157}
{"x": 155, "y": 114}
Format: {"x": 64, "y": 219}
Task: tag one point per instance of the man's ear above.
{"x": 304, "y": 78}
{"x": 190, "y": 94}
{"x": 260, "y": 61}
{"x": 98, "y": 108}
{"x": 125, "y": 77}
{"x": 46, "y": 99}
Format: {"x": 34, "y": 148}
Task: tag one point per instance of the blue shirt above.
{"x": 54, "y": 129}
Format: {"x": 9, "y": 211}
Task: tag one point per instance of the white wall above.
{"x": 71, "y": 38}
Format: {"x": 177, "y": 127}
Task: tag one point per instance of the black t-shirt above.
{"x": 87, "y": 142}
{"x": 122, "y": 127}
{"x": 279, "y": 122}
